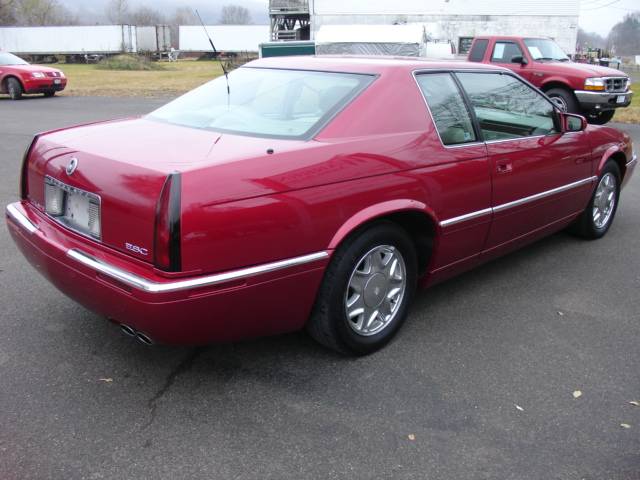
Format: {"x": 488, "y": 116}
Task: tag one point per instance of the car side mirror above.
{"x": 572, "y": 122}
{"x": 519, "y": 59}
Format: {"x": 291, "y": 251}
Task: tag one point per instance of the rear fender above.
{"x": 380, "y": 210}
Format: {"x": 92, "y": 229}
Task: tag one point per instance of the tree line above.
{"x": 53, "y": 12}
{"x": 623, "y": 39}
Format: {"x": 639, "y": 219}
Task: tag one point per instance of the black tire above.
{"x": 50, "y": 93}
{"x": 585, "y": 225}
{"x": 563, "y": 97}
{"x": 328, "y": 323}
{"x": 14, "y": 88}
{"x": 600, "y": 118}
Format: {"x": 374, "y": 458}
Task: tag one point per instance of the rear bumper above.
{"x": 602, "y": 100}
{"x": 256, "y": 301}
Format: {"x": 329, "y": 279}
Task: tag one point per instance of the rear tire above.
{"x": 600, "y": 118}
{"x": 596, "y": 219}
{"x": 564, "y": 99}
{"x": 14, "y": 88}
{"x": 375, "y": 271}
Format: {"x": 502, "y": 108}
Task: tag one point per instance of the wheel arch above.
{"x": 617, "y": 155}
{"x": 415, "y": 217}
{"x": 556, "y": 83}
{"x": 5, "y": 79}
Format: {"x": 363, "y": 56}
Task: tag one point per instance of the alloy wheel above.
{"x": 604, "y": 201}
{"x": 375, "y": 290}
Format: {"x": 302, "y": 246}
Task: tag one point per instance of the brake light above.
{"x": 167, "y": 235}
{"x": 24, "y": 172}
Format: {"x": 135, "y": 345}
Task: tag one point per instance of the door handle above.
{"x": 504, "y": 168}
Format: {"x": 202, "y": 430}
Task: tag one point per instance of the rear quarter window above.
{"x": 478, "y": 49}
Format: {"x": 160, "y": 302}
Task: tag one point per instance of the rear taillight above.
{"x": 167, "y": 235}
{"x": 24, "y": 172}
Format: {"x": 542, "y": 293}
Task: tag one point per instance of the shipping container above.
{"x": 76, "y": 40}
{"x": 153, "y": 39}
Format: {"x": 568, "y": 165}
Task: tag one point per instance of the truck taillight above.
{"x": 24, "y": 172}
{"x": 167, "y": 235}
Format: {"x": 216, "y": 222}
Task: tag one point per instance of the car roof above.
{"x": 365, "y": 64}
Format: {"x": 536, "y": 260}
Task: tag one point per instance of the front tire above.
{"x": 365, "y": 295}
{"x": 14, "y": 88}
{"x": 564, "y": 99}
{"x": 597, "y": 218}
{"x": 49, "y": 93}
{"x": 600, "y": 118}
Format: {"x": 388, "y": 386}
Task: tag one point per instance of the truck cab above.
{"x": 589, "y": 90}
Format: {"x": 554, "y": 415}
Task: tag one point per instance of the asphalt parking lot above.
{"x": 478, "y": 384}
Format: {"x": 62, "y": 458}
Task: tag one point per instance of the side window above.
{"x": 477, "y": 50}
{"x": 503, "y": 52}
{"x": 506, "y": 107}
{"x": 447, "y": 108}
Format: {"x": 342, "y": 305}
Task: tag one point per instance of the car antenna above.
{"x": 215, "y": 52}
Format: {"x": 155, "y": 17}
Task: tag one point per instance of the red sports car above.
{"x": 309, "y": 192}
{"x": 17, "y": 78}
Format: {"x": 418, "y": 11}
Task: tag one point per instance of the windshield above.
{"x": 10, "y": 59}
{"x": 545, "y": 49}
{"x": 265, "y": 102}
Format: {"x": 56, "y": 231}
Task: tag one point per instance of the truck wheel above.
{"x": 14, "y": 89}
{"x": 365, "y": 295}
{"x": 564, "y": 99}
{"x": 600, "y": 118}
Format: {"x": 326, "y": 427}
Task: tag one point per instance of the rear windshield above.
{"x": 265, "y": 102}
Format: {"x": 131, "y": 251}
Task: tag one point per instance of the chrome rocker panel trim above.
{"x": 516, "y": 203}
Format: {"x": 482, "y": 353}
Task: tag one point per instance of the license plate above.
{"x": 57, "y": 81}
{"x": 621, "y": 99}
{"x": 76, "y": 209}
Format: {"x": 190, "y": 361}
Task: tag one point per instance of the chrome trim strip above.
{"x": 20, "y": 219}
{"x": 468, "y": 216}
{"x": 516, "y": 203}
{"x": 140, "y": 283}
{"x": 545, "y": 194}
{"x": 633, "y": 160}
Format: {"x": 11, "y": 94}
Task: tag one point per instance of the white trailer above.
{"x": 155, "y": 39}
{"x": 71, "y": 41}
{"x": 226, "y": 38}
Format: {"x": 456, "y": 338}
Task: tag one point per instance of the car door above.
{"x": 457, "y": 173}
{"x": 540, "y": 176}
{"x": 502, "y": 54}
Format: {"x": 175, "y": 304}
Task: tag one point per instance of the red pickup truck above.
{"x": 589, "y": 90}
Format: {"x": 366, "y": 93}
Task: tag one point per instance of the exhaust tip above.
{"x": 142, "y": 338}
{"x": 127, "y": 330}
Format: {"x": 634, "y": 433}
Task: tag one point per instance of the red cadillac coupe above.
{"x": 313, "y": 192}
{"x": 17, "y": 78}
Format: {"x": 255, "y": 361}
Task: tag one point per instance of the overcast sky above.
{"x": 596, "y": 15}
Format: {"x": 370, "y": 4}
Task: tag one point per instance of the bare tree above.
{"x": 184, "y": 16}
{"x": 117, "y": 12}
{"x": 7, "y": 12}
{"x": 235, "y": 15}
{"x": 144, "y": 15}
{"x": 43, "y": 12}
{"x": 625, "y": 35}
